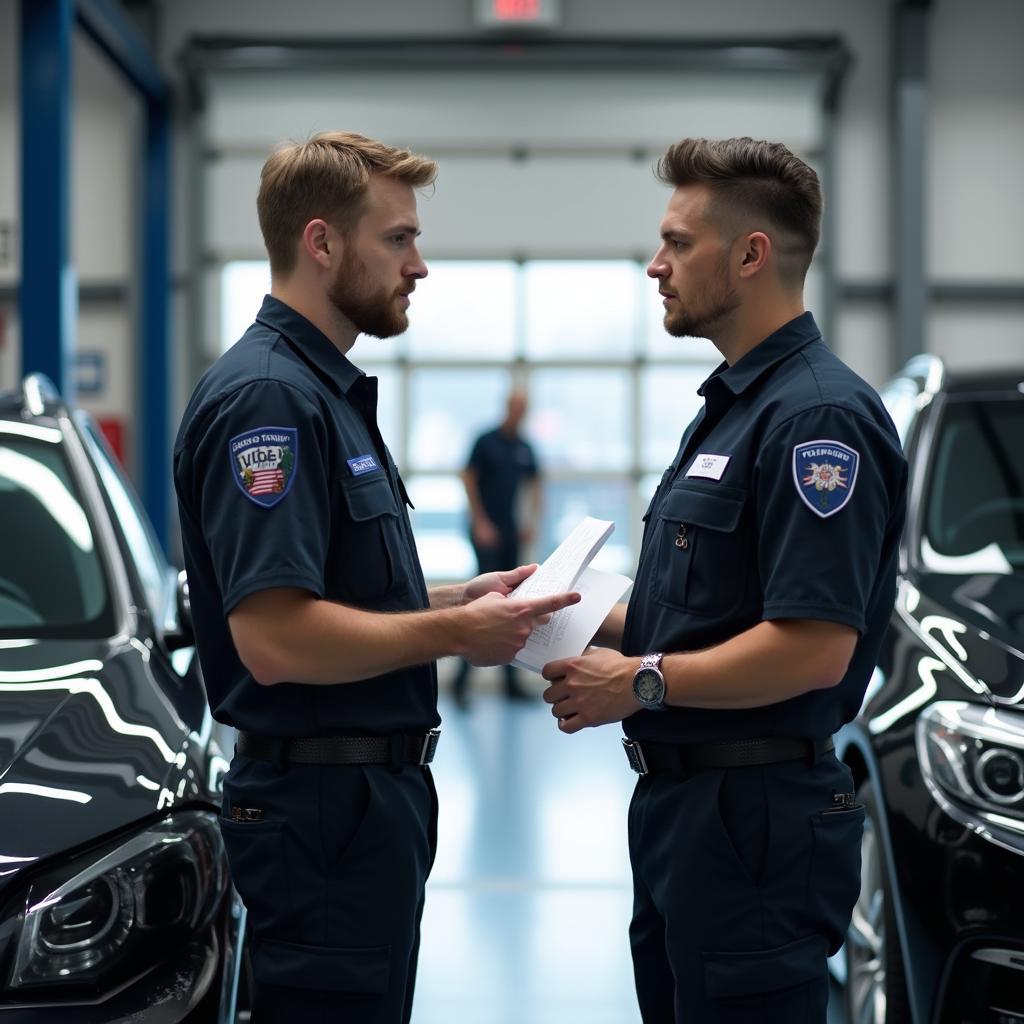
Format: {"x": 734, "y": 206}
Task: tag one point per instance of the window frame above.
{"x": 520, "y": 370}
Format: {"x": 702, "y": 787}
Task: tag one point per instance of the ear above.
{"x": 756, "y": 248}
{"x": 321, "y": 243}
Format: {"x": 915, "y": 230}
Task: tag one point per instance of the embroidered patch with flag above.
{"x": 263, "y": 463}
{"x": 825, "y": 473}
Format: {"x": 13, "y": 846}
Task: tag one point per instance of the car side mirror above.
{"x": 181, "y": 633}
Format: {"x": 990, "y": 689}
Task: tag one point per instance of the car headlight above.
{"x": 117, "y": 908}
{"x": 972, "y": 757}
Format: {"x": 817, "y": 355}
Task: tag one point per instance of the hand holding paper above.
{"x": 570, "y": 630}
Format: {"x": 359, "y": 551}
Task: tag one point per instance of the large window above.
{"x": 610, "y": 393}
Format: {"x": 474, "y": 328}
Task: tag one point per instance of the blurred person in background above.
{"x": 503, "y": 489}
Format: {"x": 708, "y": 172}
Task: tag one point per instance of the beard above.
{"x": 371, "y": 310}
{"x": 709, "y": 309}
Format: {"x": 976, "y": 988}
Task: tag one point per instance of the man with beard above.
{"x": 315, "y": 630}
{"x": 765, "y": 582}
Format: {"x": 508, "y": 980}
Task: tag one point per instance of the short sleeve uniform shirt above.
{"x": 786, "y": 500}
{"x": 283, "y": 480}
{"x": 501, "y": 464}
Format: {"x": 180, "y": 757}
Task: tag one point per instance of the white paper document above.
{"x": 569, "y": 631}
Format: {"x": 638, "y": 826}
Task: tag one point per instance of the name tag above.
{"x": 362, "y": 464}
{"x": 710, "y": 467}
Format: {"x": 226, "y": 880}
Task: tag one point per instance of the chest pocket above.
{"x": 701, "y": 551}
{"x": 370, "y": 544}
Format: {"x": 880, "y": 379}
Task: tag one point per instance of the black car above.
{"x": 115, "y": 901}
{"x": 938, "y": 747}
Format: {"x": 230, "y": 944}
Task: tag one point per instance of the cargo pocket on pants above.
{"x": 771, "y": 979}
{"x": 834, "y": 882}
{"x": 323, "y": 968}
{"x": 258, "y": 867}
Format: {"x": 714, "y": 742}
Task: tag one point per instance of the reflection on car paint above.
{"x": 103, "y": 723}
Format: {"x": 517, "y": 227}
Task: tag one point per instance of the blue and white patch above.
{"x": 263, "y": 463}
{"x": 825, "y": 473}
{"x": 362, "y": 464}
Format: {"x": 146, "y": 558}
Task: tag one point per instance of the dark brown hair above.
{"x": 327, "y": 177}
{"x": 754, "y": 185}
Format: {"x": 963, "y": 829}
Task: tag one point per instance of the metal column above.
{"x": 909, "y": 113}
{"x": 154, "y": 380}
{"x": 48, "y": 293}
{"x": 118, "y": 38}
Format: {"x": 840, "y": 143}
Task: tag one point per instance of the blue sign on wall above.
{"x": 90, "y": 373}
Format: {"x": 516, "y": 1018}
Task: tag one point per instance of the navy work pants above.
{"x": 332, "y": 878}
{"x": 744, "y": 881}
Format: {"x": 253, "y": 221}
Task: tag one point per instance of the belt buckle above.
{"x": 635, "y": 756}
{"x": 429, "y": 746}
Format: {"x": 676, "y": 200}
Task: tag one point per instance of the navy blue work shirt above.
{"x": 786, "y": 500}
{"x": 501, "y": 463}
{"x": 283, "y": 480}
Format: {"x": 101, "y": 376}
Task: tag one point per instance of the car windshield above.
{"x": 974, "y": 512}
{"x": 52, "y": 582}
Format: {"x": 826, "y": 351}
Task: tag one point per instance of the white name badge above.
{"x": 711, "y": 467}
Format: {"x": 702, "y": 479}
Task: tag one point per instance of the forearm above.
{"x": 309, "y": 640}
{"x": 451, "y": 595}
{"x": 770, "y": 663}
{"x": 476, "y": 505}
{"x": 610, "y": 632}
{"x": 536, "y": 505}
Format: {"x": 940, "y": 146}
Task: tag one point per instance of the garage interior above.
{"x": 130, "y": 259}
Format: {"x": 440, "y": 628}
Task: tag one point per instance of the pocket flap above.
{"x": 719, "y": 511}
{"x": 764, "y": 970}
{"x": 369, "y": 496}
{"x": 327, "y": 968}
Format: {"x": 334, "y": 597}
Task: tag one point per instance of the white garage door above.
{"x": 544, "y": 215}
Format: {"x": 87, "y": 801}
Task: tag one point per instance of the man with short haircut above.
{"x": 315, "y": 630}
{"x": 764, "y": 586}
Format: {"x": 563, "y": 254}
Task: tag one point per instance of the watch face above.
{"x": 649, "y": 686}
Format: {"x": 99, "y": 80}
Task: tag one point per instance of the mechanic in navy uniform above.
{"x": 765, "y": 582}
{"x": 315, "y": 630}
{"x": 500, "y": 463}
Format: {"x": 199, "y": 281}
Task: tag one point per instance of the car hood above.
{"x": 88, "y": 745}
{"x": 979, "y": 621}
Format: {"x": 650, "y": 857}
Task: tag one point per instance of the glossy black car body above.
{"x": 115, "y": 903}
{"x": 938, "y": 747}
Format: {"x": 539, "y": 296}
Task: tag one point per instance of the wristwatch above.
{"x": 649, "y": 683}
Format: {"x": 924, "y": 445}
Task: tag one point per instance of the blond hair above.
{"x": 327, "y": 176}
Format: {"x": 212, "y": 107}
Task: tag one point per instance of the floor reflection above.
{"x": 529, "y": 901}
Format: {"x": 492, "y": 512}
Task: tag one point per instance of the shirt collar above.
{"x": 313, "y": 343}
{"x": 788, "y": 339}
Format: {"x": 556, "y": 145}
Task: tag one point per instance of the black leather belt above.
{"x": 417, "y": 749}
{"x": 648, "y": 756}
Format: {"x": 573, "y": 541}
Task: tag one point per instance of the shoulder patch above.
{"x": 825, "y": 473}
{"x": 263, "y": 463}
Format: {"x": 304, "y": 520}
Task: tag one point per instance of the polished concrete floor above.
{"x": 529, "y": 900}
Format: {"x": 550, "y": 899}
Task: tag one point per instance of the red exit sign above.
{"x": 534, "y": 13}
{"x": 516, "y": 10}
